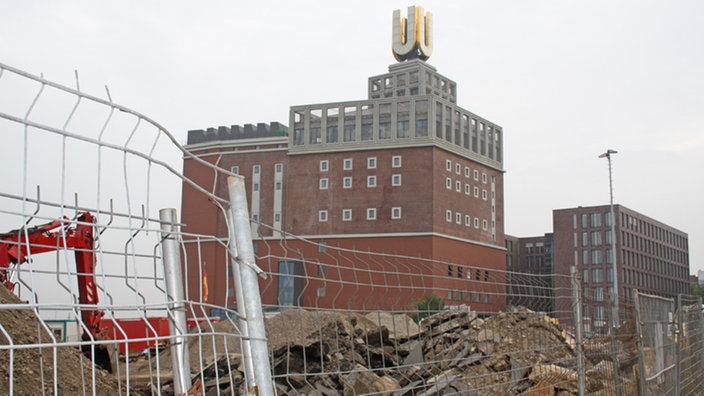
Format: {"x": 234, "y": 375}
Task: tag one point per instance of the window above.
{"x": 347, "y": 164}
{"x": 596, "y": 238}
{"x": 371, "y": 213}
{"x": 324, "y": 165}
{"x": 467, "y": 220}
{"x": 467, "y": 189}
{"x": 596, "y": 257}
{"x": 448, "y": 183}
{"x": 396, "y": 180}
{"x": 458, "y": 169}
{"x": 448, "y": 165}
{"x": 346, "y": 214}
{"x": 585, "y": 257}
{"x": 458, "y": 186}
{"x": 484, "y": 178}
{"x": 277, "y": 185}
{"x": 584, "y": 220}
{"x": 485, "y": 225}
{"x": 371, "y": 163}
{"x": 476, "y": 192}
{"x": 476, "y": 222}
{"x": 607, "y": 219}
{"x": 256, "y": 169}
{"x": 448, "y": 215}
{"x": 396, "y": 212}
{"x": 277, "y": 217}
{"x": 458, "y": 218}
{"x": 396, "y": 161}
{"x": 484, "y": 195}
{"x": 466, "y": 171}
{"x": 371, "y": 181}
{"x": 278, "y": 168}
{"x": 255, "y": 186}
{"x": 585, "y": 238}
{"x": 450, "y": 270}
{"x": 596, "y": 219}
{"x": 597, "y": 275}
{"x": 347, "y": 182}
{"x": 323, "y": 215}
{"x": 476, "y": 174}
{"x": 235, "y": 170}
{"x": 323, "y": 183}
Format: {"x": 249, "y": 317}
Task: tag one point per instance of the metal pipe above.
{"x": 579, "y": 346}
{"x": 250, "y": 287}
{"x": 176, "y": 301}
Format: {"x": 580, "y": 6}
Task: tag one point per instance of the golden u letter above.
{"x": 412, "y": 37}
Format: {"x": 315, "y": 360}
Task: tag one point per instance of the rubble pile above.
{"x": 453, "y": 352}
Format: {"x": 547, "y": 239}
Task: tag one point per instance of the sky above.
{"x": 566, "y": 81}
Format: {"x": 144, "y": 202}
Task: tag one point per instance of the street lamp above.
{"x": 614, "y": 315}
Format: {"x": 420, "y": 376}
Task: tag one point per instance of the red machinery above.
{"x": 18, "y": 245}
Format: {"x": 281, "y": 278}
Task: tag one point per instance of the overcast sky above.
{"x": 565, "y": 79}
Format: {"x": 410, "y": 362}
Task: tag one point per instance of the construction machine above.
{"x": 18, "y": 246}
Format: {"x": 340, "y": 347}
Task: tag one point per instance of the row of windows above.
{"x": 648, "y": 246}
{"x": 653, "y": 231}
{"x": 256, "y": 169}
{"x": 467, "y": 220}
{"x": 594, "y": 238}
{"x": 458, "y": 170}
{"x": 461, "y": 271}
{"x": 467, "y": 189}
{"x": 324, "y": 182}
{"x": 654, "y": 265}
{"x": 594, "y": 220}
{"x": 596, "y": 256}
{"x": 461, "y": 295}
{"x": 655, "y": 282}
{"x": 371, "y": 163}
{"x": 597, "y": 275}
{"x": 323, "y": 215}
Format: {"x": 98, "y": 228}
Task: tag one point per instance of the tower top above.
{"x": 412, "y": 37}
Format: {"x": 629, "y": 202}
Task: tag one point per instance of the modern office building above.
{"x": 651, "y": 257}
{"x": 405, "y": 172}
{"x": 530, "y": 272}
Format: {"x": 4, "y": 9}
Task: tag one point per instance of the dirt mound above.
{"x": 34, "y": 369}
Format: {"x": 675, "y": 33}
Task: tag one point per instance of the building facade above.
{"x": 651, "y": 257}
{"x": 530, "y": 272}
{"x": 405, "y": 173}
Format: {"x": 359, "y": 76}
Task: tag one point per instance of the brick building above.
{"x": 530, "y": 278}
{"x": 406, "y": 172}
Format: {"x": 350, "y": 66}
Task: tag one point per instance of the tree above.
{"x": 429, "y": 305}
{"x": 696, "y": 290}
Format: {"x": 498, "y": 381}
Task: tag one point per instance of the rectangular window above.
{"x": 597, "y": 275}
{"x": 485, "y": 225}
{"x": 277, "y": 185}
{"x": 371, "y": 213}
{"x": 458, "y": 186}
{"x": 608, "y": 219}
{"x": 584, "y": 220}
{"x": 596, "y": 238}
{"x": 476, "y": 222}
{"x": 467, "y": 189}
{"x": 467, "y": 220}
{"x": 448, "y": 165}
{"x": 585, "y": 238}
{"x": 347, "y": 182}
{"x": 371, "y": 181}
{"x": 476, "y": 192}
{"x": 396, "y": 161}
{"x": 596, "y": 219}
{"x": 448, "y": 183}
{"x": 476, "y": 175}
{"x": 347, "y": 164}
{"x": 466, "y": 171}
{"x": 448, "y": 215}
{"x": 278, "y": 168}
{"x": 346, "y": 214}
{"x": 396, "y": 180}
{"x": 324, "y": 165}
{"x": 256, "y": 169}
{"x": 255, "y": 186}
{"x": 585, "y": 257}
{"x": 235, "y": 170}
{"x": 484, "y": 178}
{"x": 323, "y": 185}
{"x": 323, "y": 215}
{"x": 277, "y": 217}
{"x": 458, "y": 218}
{"x": 371, "y": 163}
{"x": 396, "y": 212}
{"x": 484, "y": 195}
{"x": 596, "y": 257}
{"x": 458, "y": 169}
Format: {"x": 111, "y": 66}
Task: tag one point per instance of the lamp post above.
{"x": 615, "y": 318}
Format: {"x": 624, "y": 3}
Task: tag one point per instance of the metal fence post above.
{"x": 250, "y": 287}
{"x": 241, "y": 310}
{"x": 677, "y": 332}
{"x": 578, "y": 325}
{"x": 176, "y": 301}
{"x": 639, "y": 341}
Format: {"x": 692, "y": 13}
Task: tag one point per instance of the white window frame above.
{"x": 476, "y": 222}
{"x": 458, "y": 217}
{"x": 483, "y": 178}
{"x": 322, "y": 215}
{"x": 466, "y": 171}
{"x": 476, "y": 175}
{"x": 347, "y": 164}
{"x": 448, "y": 183}
{"x": 485, "y": 225}
{"x": 371, "y": 213}
{"x": 371, "y": 162}
{"x": 345, "y": 180}
{"x": 484, "y": 194}
{"x": 448, "y": 216}
{"x": 396, "y": 212}
{"x": 346, "y": 214}
{"x": 448, "y": 165}
{"x": 476, "y": 192}
{"x": 467, "y": 220}
{"x": 278, "y": 185}
{"x": 396, "y": 161}
{"x": 458, "y": 169}
{"x": 278, "y": 167}
{"x": 235, "y": 169}
{"x": 396, "y": 179}
{"x": 467, "y": 189}
{"x": 256, "y": 169}
{"x": 371, "y": 181}
{"x": 458, "y": 186}
{"x": 324, "y": 165}
{"x": 323, "y": 183}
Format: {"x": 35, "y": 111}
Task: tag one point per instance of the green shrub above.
{"x": 430, "y": 304}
